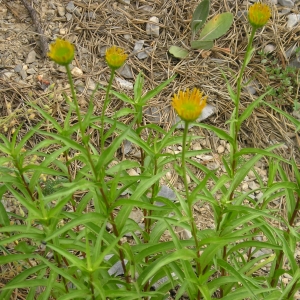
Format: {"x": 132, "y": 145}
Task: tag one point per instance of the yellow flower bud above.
{"x": 115, "y": 57}
{"x": 259, "y": 14}
{"x": 62, "y": 52}
{"x": 189, "y": 104}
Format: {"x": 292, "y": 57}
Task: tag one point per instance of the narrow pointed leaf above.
{"x": 199, "y": 16}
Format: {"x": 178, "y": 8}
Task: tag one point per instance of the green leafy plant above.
{"x": 212, "y": 30}
{"x": 284, "y": 81}
{"x": 76, "y": 236}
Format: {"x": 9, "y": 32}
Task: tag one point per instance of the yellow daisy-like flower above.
{"x": 62, "y": 52}
{"x": 259, "y": 14}
{"x": 115, "y": 57}
{"x": 189, "y": 104}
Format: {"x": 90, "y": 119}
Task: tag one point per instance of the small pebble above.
{"x": 124, "y": 83}
{"x": 126, "y": 72}
{"x": 62, "y": 31}
{"x": 18, "y": 68}
{"x": 220, "y": 149}
{"x": 31, "y": 57}
{"x": 269, "y": 48}
{"x": 293, "y": 20}
{"x": 70, "y": 7}
{"x": 61, "y": 11}
{"x": 245, "y": 186}
{"x": 31, "y": 71}
{"x": 152, "y": 29}
{"x": 23, "y": 74}
{"x": 169, "y": 175}
{"x": 76, "y": 72}
{"x": 286, "y": 3}
{"x": 196, "y": 147}
{"x": 253, "y": 185}
{"x": 133, "y": 172}
{"x": 251, "y": 174}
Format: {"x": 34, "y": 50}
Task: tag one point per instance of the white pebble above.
{"x": 76, "y": 72}
{"x": 152, "y": 29}
{"x": 269, "y": 48}
{"x": 293, "y": 19}
{"x": 245, "y": 186}
{"x": 220, "y": 149}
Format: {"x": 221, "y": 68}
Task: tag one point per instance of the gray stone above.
{"x": 284, "y": 12}
{"x": 251, "y": 87}
{"x": 295, "y": 63}
{"x": 153, "y": 114}
{"x": 61, "y": 69}
{"x": 23, "y": 74}
{"x": 293, "y": 19}
{"x": 126, "y": 72}
{"x": 69, "y": 16}
{"x": 291, "y": 51}
{"x": 103, "y": 50}
{"x": 124, "y": 83}
{"x": 70, "y": 7}
{"x": 287, "y": 3}
{"x": 165, "y": 192}
{"x": 152, "y": 29}
{"x": 18, "y": 68}
{"x": 138, "y": 46}
{"x": 127, "y": 147}
{"x": 252, "y": 185}
{"x": 117, "y": 268}
{"x": 144, "y": 54}
{"x": 31, "y": 71}
{"x": 80, "y": 86}
{"x": 31, "y": 57}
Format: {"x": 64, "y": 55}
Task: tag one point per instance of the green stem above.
{"x": 74, "y": 96}
{"x": 189, "y": 201}
{"x": 183, "y": 165}
{"x": 234, "y": 146}
{"x": 112, "y": 74}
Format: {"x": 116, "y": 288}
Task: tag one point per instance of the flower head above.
{"x": 62, "y": 52}
{"x": 259, "y": 14}
{"x": 115, "y": 57}
{"x": 189, "y": 104}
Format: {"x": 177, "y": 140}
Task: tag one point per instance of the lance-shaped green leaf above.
{"x": 216, "y": 27}
{"x": 199, "y": 16}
